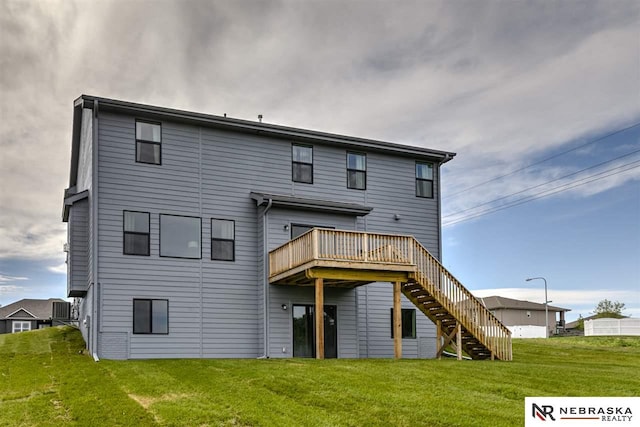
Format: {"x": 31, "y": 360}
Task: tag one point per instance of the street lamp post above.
{"x": 546, "y": 306}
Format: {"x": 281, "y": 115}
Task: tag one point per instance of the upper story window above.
{"x": 150, "y": 316}
{"x": 302, "y": 163}
{"x": 136, "y": 233}
{"x": 424, "y": 180}
{"x": 408, "y": 323}
{"x": 180, "y": 236}
{"x": 357, "y": 171}
{"x": 223, "y": 239}
{"x": 148, "y": 143}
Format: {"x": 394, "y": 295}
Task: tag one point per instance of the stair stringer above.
{"x": 447, "y": 303}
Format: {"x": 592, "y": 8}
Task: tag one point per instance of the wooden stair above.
{"x": 461, "y": 320}
{"x": 455, "y": 311}
{"x": 447, "y": 323}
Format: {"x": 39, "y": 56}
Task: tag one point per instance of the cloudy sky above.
{"x": 506, "y": 85}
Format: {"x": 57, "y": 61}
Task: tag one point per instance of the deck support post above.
{"x": 459, "y": 341}
{"x": 397, "y": 321}
{"x": 319, "y": 311}
{"x": 439, "y": 338}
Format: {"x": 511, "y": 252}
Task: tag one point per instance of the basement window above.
{"x": 148, "y": 143}
{"x": 150, "y": 316}
{"x": 408, "y": 323}
{"x": 302, "y": 163}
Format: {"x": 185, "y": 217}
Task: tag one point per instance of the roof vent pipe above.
{"x": 260, "y": 118}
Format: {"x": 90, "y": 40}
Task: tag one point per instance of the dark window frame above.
{"x": 125, "y": 232}
{"x": 357, "y": 170}
{"x": 294, "y": 163}
{"x": 233, "y": 241}
{"x": 414, "y": 331}
{"x": 420, "y": 180}
{"x": 160, "y": 236}
{"x": 146, "y": 141}
{"x": 310, "y": 226}
{"x": 151, "y": 300}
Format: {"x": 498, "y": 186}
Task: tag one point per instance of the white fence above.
{"x": 612, "y": 327}
{"x": 527, "y": 331}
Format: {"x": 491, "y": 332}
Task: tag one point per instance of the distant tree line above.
{"x": 605, "y": 309}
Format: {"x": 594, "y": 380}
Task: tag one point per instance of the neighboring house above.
{"x": 201, "y": 236}
{"x": 518, "y": 313}
{"x": 30, "y": 314}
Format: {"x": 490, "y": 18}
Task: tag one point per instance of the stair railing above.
{"x": 358, "y": 246}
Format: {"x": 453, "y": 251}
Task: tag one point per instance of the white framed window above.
{"x": 20, "y": 326}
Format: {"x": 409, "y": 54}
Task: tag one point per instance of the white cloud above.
{"x": 10, "y": 289}
{"x": 4, "y": 278}
{"x": 498, "y": 82}
{"x": 59, "y": 269}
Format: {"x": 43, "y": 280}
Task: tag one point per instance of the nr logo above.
{"x": 542, "y": 412}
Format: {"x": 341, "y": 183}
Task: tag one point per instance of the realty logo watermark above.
{"x": 581, "y": 411}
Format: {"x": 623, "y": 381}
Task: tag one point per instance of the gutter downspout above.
{"x": 446, "y": 159}
{"x": 94, "y": 214}
{"x": 265, "y": 279}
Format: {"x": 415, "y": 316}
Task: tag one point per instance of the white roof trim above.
{"x": 23, "y": 309}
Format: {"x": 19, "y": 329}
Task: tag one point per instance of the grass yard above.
{"x": 44, "y": 381}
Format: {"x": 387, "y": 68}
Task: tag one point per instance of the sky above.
{"x": 540, "y": 100}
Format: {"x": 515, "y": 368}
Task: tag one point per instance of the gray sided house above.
{"x": 201, "y": 236}
{"x": 513, "y": 312}
{"x": 31, "y": 314}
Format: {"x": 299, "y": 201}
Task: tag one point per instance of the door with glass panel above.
{"x": 304, "y": 331}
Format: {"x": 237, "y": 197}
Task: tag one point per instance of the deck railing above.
{"x": 356, "y": 246}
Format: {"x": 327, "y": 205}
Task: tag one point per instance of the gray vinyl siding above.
{"x": 81, "y": 228}
{"x": 78, "y": 262}
{"x": 280, "y": 321}
{"x": 375, "y": 303}
{"x": 215, "y": 307}
{"x": 85, "y": 310}
{"x": 85, "y": 182}
{"x": 85, "y": 164}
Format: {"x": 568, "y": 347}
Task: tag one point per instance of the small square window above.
{"x": 148, "y": 143}
{"x": 356, "y": 171}
{"x": 223, "y": 239}
{"x": 302, "y": 163}
{"x": 424, "y": 180}
{"x": 136, "y": 233}
{"x": 150, "y": 316}
{"x": 408, "y": 323}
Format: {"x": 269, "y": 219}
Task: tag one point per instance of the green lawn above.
{"x": 45, "y": 381}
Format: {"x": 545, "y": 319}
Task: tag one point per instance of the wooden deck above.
{"x": 324, "y": 257}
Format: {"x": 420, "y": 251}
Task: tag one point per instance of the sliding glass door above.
{"x": 304, "y": 331}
